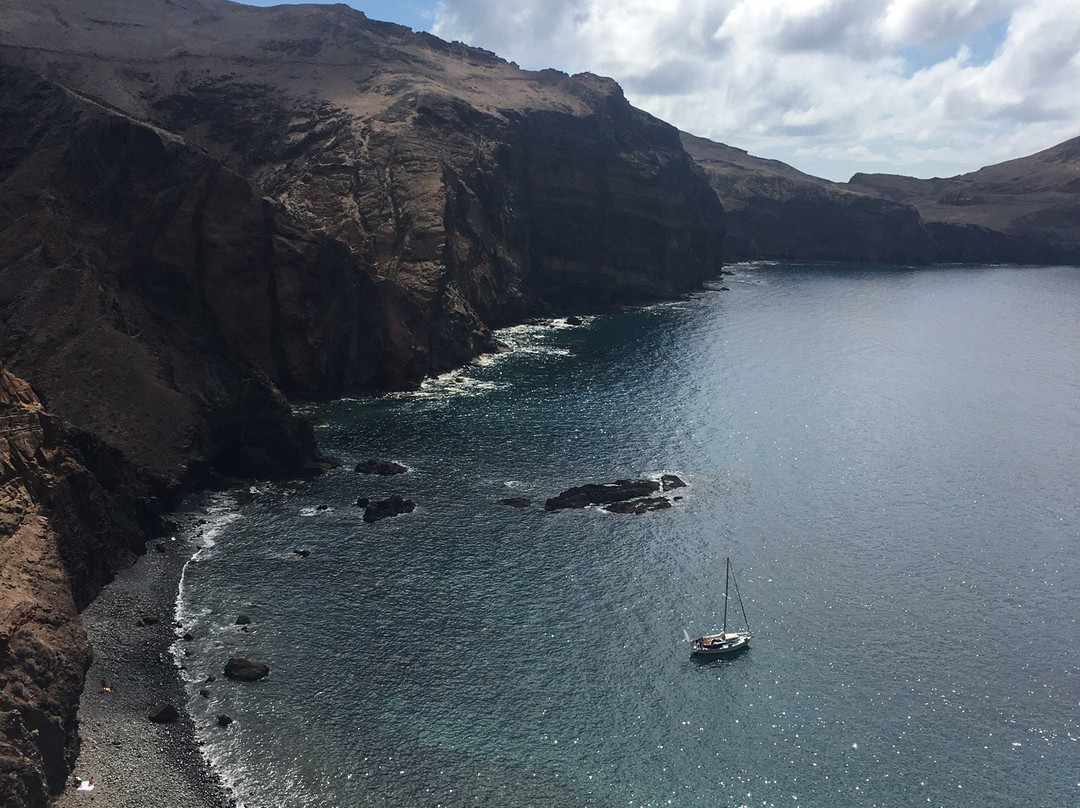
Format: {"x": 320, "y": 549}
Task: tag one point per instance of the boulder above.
{"x": 383, "y": 467}
{"x": 164, "y": 714}
{"x": 670, "y": 481}
{"x": 243, "y": 620}
{"x": 223, "y": 720}
{"x": 246, "y": 670}
{"x": 393, "y": 505}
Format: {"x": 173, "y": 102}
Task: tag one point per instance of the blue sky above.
{"x": 918, "y": 87}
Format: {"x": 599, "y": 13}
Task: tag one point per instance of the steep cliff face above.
{"x": 68, "y": 518}
{"x": 153, "y": 295}
{"x": 207, "y": 207}
{"x": 777, "y": 212}
{"x": 418, "y": 193}
{"x": 1025, "y": 210}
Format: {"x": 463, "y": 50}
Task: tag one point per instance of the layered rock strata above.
{"x": 1025, "y": 210}
{"x": 68, "y": 517}
{"x": 206, "y": 208}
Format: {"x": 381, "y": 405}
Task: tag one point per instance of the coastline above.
{"x": 136, "y": 763}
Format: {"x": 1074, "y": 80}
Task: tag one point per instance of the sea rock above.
{"x": 243, "y": 620}
{"x": 670, "y": 481}
{"x": 246, "y": 670}
{"x": 223, "y": 720}
{"x": 302, "y": 553}
{"x": 393, "y": 505}
{"x": 363, "y": 502}
{"x": 164, "y": 714}
{"x": 573, "y": 320}
{"x": 639, "y": 506}
{"x": 383, "y": 467}
{"x": 516, "y": 502}
{"x": 593, "y": 494}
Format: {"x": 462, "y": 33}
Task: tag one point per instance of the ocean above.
{"x": 890, "y": 456}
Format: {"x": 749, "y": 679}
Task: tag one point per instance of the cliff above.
{"x": 68, "y": 517}
{"x": 777, "y": 212}
{"x": 1025, "y": 210}
{"x": 207, "y": 209}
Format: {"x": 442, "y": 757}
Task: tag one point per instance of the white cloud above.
{"x": 921, "y": 87}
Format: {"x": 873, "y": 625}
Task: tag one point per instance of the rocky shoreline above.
{"x": 135, "y": 762}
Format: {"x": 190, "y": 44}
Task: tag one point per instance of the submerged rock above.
{"x": 243, "y": 620}
{"x": 516, "y": 502}
{"x": 639, "y": 505}
{"x": 393, "y": 505}
{"x": 593, "y": 494}
{"x": 383, "y": 467}
{"x": 246, "y": 670}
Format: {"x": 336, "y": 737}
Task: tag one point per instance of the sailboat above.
{"x": 725, "y": 642}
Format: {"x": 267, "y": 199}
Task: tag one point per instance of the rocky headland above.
{"x": 1022, "y": 211}
{"x": 208, "y": 210}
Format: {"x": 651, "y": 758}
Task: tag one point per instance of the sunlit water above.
{"x": 891, "y": 459}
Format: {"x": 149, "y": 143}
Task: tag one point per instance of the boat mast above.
{"x": 727, "y": 575}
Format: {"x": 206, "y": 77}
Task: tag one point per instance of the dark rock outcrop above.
{"x": 639, "y": 506}
{"x": 385, "y": 468}
{"x": 246, "y": 670}
{"x": 602, "y": 494}
{"x": 516, "y": 502}
{"x": 164, "y": 714}
{"x": 669, "y": 482}
{"x": 393, "y": 505}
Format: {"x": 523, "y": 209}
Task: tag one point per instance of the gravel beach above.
{"x": 136, "y": 763}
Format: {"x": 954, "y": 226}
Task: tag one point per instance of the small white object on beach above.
{"x": 86, "y": 785}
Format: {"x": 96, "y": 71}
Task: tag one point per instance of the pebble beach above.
{"x": 134, "y": 762}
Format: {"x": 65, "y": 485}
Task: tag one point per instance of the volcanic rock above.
{"x": 593, "y": 494}
{"x": 670, "y": 482}
{"x": 393, "y": 505}
{"x": 164, "y": 714}
{"x": 246, "y": 670}
{"x": 639, "y": 506}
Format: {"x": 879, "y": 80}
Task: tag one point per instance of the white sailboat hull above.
{"x": 711, "y": 645}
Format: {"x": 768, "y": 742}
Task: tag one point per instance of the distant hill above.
{"x": 1020, "y": 210}
{"x": 1025, "y": 210}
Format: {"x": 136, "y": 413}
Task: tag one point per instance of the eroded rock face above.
{"x": 1025, "y": 210}
{"x": 62, "y": 533}
{"x": 777, "y": 212}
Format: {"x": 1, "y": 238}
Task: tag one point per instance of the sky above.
{"x": 917, "y": 87}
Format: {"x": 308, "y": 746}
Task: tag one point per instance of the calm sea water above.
{"x": 891, "y": 458}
